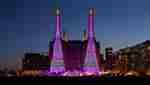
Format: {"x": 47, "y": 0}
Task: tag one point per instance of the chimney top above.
{"x": 92, "y": 12}
{"x": 58, "y": 11}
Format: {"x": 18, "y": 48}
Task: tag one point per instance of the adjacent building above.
{"x": 137, "y": 56}
{"x": 35, "y": 61}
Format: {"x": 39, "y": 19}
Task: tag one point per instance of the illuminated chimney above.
{"x": 91, "y": 63}
{"x": 57, "y": 64}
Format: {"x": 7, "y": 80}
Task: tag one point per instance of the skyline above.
{"x": 25, "y": 24}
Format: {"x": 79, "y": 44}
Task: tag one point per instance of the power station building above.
{"x": 75, "y": 55}
{"x": 65, "y": 56}
{"x": 74, "y": 52}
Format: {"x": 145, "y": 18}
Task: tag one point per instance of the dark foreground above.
{"x": 78, "y": 78}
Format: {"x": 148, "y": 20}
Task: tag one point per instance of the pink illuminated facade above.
{"x": 57, "y": 63}
{"x": 74, "y": 57}
{"x": 91, "y": 63}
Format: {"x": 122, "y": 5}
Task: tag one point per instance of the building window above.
{"x": 148, "y": 48}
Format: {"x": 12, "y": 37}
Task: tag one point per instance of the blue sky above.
{"x": 27, "y": 25}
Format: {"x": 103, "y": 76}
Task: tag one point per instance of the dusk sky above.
{"x": 28, "y": 25}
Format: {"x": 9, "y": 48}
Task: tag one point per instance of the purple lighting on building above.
{"x": 57, "y": 64}
{"x": 91, "y": 24}
{"x": 70, "y": 58}
{"x": 90, "y": 64}
{"x": 58, "y": 24}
